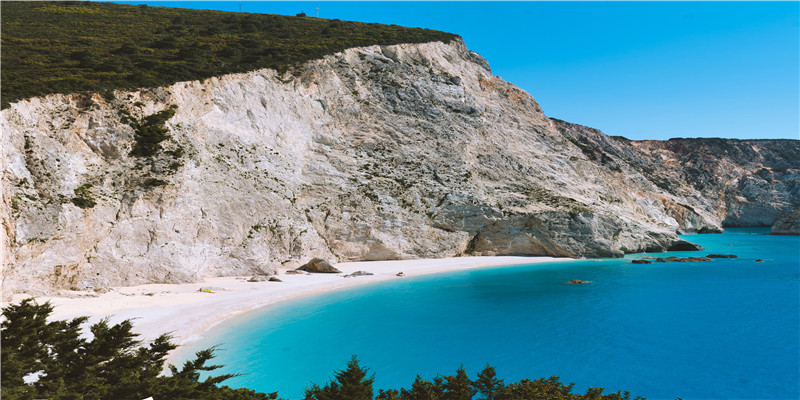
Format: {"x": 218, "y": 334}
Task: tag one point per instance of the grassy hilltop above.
{"x": 64, "y": 47}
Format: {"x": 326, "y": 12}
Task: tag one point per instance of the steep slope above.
{"x": 380, "y": 152}
{"x": 735, "y": 182}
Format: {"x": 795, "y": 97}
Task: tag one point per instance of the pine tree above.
{"x": 354, "y": 382}
{"x": 422, "y": 389}
{"x": 389, "y": 394}
{"x": 351, "y": 384}
{"x": 458, "y": 386}
{"x": 487, "y": 383}
{"x": 112, "y": 365}
{"x": 31, "y": 347}
{"x": 540, "y": 389}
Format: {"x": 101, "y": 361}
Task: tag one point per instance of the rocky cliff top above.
{"x": 101, "y": 47}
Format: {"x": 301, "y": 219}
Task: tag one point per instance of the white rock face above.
{"x": 375, "y": 153}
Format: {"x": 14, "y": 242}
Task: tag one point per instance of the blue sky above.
{"x": 643, "y": 70}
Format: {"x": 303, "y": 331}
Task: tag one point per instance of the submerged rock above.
{"x": 694, "y": 259}
{"x": 578, "y": 281}
{"x": 722, "y": 256}
{"x": 641, "y": 262}
{"x": 318, "y": 265}
{"x": 683, "y": 259}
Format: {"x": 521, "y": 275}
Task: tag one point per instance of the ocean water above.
{"x": 724, "y": 329}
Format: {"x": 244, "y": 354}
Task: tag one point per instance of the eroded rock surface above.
{"x": 706, "y": 183}
{"x": 318, "y": 265}
{"x": 376, "y": 153}
{"x": 788, "y": 224}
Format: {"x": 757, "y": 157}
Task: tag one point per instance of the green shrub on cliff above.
{"x": 65, "y": 47}
{"x": 83, "y": 197}
{"x": 149, "y": 133}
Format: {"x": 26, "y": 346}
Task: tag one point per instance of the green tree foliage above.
{"x": 351, "y": 383}
{"x": 461, "y": 387}
{"x": 389, "y": 394}
{"x": 110, "y": 365}
{"x": 422, "y": 389}
{"x": 458, "y": 386}
{"x": 550, "y": 388}
{"x": 487, "y": 384}
{"x": 66, "y": 47}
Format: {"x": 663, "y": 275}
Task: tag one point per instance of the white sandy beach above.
{"x": 187, "y": 312}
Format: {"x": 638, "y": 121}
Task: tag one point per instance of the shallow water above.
{"x": 722, "y": 329}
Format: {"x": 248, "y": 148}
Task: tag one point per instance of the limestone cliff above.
{"x": 706, "y": 182}
{"x": 375, "y": 153}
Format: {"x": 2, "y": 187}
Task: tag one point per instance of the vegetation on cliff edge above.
{"x": 65, "y": 47}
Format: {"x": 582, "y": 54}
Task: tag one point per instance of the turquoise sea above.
{"x": 724, "y": 329}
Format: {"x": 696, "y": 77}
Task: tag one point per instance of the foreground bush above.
{"x": 352, "y": 383}
{"x": 60, "y": 364}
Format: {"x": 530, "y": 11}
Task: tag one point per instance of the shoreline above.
{"x": 186, "y": 312}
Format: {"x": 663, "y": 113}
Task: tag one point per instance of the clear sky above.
{"x": 643, "y": 70}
